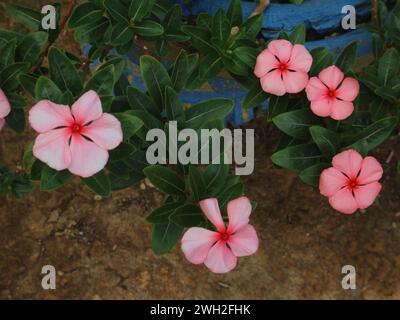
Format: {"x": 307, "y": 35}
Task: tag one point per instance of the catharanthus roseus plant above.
{"x": 91, "y": 122}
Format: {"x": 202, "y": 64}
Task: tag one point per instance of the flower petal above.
{"x": 197, "y": 242}
{"x": 315, "y": 89}
{"x": 272, "y": 83}
{"x": 2, "y": 123}
{"x": 343, "y": 201}
{"x": 295, "y": 81}
{"x": 52, "y": 148}
{"x": 265, "y": 62}
{"x": 348, "y": 162}
{"x": 5, "y": 107}
{"x": 366, "y": 195}
{"x": 341, "y": 109}
{"x": 331, "y": 181}
{"x": 300, "y": 59}
{"x": 244, "y": 242}
{"x": 220, "y": 258}
{"x": 282, "y": 49}
{"x": 348, "y": 90}
{"x": 210, "y": 208}
{"x": 87, "y": 108}
{"x": 87, "y": 157}
{"x": 321, "y": 108}
{"x": 106, "y": 132}
{"x": 46, "y": 115}
{"x": 371, "y": 171}
{"x": 331, "y": 76}
{"x": 239, "y": 211}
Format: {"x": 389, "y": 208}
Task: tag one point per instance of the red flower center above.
{"x": 331, "y": 93}
{"x": 283, "y": 66}
{"x": 352, "y": 184}
{"x": 224, "y": 236}
{"x": 76, "y": 128}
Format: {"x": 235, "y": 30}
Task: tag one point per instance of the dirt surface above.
{"x": 101, "y": 248}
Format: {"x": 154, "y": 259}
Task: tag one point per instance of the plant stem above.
{"x": 374, "y": 12}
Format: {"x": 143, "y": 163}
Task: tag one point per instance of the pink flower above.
{"x": 219, "y": 250}
{"x": 352, "y": 183}
{"x": 283, "y": 67}
{"x": 75, "y": 138}
{"x": 5, "y": 108}
{"x": 330, "y": 95}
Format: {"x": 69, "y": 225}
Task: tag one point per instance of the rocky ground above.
{"x": 101, "y": 247}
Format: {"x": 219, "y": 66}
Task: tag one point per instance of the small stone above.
{"x": 98, "y": 197}
{"x": 223, "y": 285}
{"x": 114, "y": 247}
{"x": 96, "y": 297}
{"x": 60, "y": 273}
{"x": 394, "y": 225}
{"x": 142, "y": 186}
{"x": 54, "y": 215}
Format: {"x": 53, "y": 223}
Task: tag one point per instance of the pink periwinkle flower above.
{"x": 283, "y": 67}
{"x": 330, "y": 95}
{"x": 5, "y": 108}
{"x": 352, "y": 182}
{"x": 219, "y": 250}
{"x": 76, "y": 138}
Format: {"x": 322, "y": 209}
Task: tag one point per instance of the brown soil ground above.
{"x": 101, "y": 248}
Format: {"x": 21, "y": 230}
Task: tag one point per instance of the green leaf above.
{"x": 252, "y": 27}
{"x": 52, "y": 179}
{"x": 247, "y": 55}
{"x": 16, "y": 120}
{"x": 322, "y": 59}
{"x": 297, "y": 157}
{"x": 7, "y": 53}
{"x": 296, "y": 123}
{"x": 63, "y": 72}
{"x": 235, "y": 15}
{"x": 122, "y": 151}
{"x": 117, "y": 10}
{"x": 130, "y": 124}
{"x": 312, "y": 174}
{"x": 16, "y": 101}
{"x": 165, "y": 236}
{"x": 165, "y": 180}
{"x": 121, "y": 34}
{"x": 327, "y": 141}
{"x": 102, "y": 81}
{"x": 254, "y": 97}
{"x": 119, "y": 66}
{"x": 234, "y": 65}
{"x": 277, "y": 105}
{"x": 138, "y": 100}
{"x": 31, "y": 47}
{"x": 162, "y": 214}
{"x": 148, "y": 28}
{"x": 230, "y": 193}
{"x": 93, "y": 31}
{"x": 207, "y": 110}
{"x": 28, "y": 17}
{"x": 347, "y": 57}
{"x": 28, "y": 82}
{"x": 84, "y": 14}
{"x": 373, "y": 135}
{"x": 200, "y": 38}
{"x": 180, "y": 71}
{"x": 10, "y": 75}
{"x": 155, "y": 77}
{"x": 197, "y": 184}
{"x": 139, "y": 9}
{"x": 221, "y": 28}
{"x": 173, "y": 106}
{"x": 211, "y": 66}
{"x": 388, "y": 66}
{"x": 188, "y": 215}
{"x": 214, "y": 178}
{"x": 99, "y": 183}
{"x": 47, "y": 90}
{"x": 298, "y": 35}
